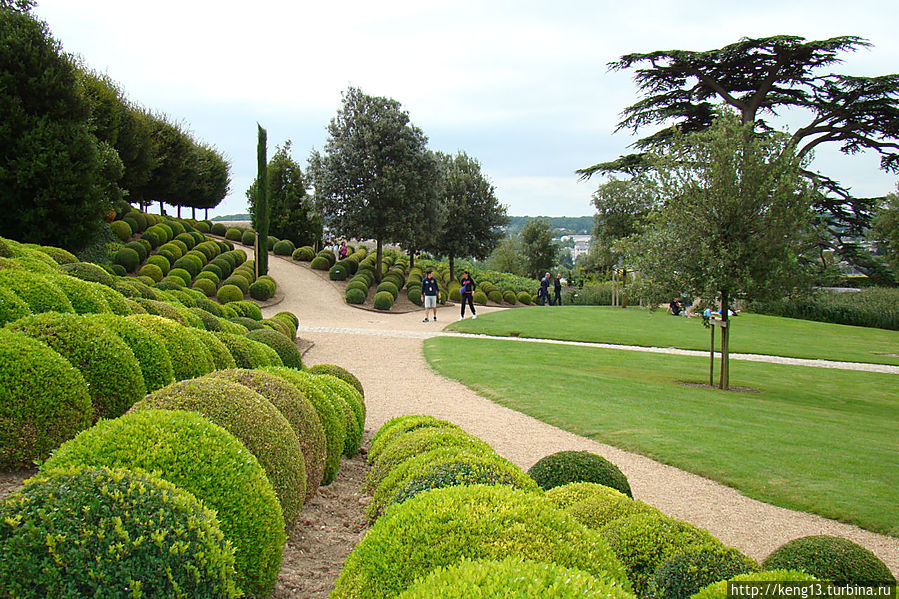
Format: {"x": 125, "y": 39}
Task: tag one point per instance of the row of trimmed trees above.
{"x": 73, "y": 148}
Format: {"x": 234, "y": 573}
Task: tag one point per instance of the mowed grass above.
{"x": 750, "y": 333}
{"x": 814, "y": 439}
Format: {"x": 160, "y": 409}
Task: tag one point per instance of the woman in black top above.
{"x": 466, "y": 292}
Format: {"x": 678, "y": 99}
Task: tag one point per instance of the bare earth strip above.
{"x": 385, "y": 352}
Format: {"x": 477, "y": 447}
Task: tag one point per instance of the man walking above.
{"x": 544, "y": 290}
{"x": 557, "y": 289}
{"x": 429, "y": 292}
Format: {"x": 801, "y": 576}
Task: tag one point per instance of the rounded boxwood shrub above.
{"x": 37, "y": 291}
{"x": 108, "y": 365}
{"x": 83, "y": 295}
{"x": 690, "y": 571}
{"x": 444, "y": 526}
{"x": 219, "y": 229}
{"x": 329, "y": 256}
{"x": 320, "y": 263}
{"x": 495, "y": 296}
{"x": 331, "y": 416}
{"x": 206, "y": 286}
{"x": 286, "y": 349}
{"x": 189, "y": 357}
{"x": 512, "y": 577}
{"x": 399, "y": 425}
{"x": 182, "y": 274}
{"x": 525, "y": 298}
{"x": 218, "y": 351}
{"x": 229, "y": 293}
{"x": 148, "y": 349}
{"x": 280, "y": 326}
{"x": 11, "y": 307}
{"x": 349, "y": 394}
{"x": 151, "y": 270}
{"x": 88, "y": 272}
{"x": 718, "y": 590}
{"x": 354, "y": 295}
{"x": 299, "y": 412}
{"x": 353, "y": 439}
{"x": 248, "y": 323}
{"x": 113, "y": 298}
{"x": 284, "y": 247}
{"x": 240, "y": 348}
{"x": 239, "y": 281}
{"x": 263, "y": 355}
{"x": 595, "y": 505}
{"x": 389, "y": 287}
{"x": 383, "y": 300}
{"x": 289, "y": 316}
{"x": 510, "y": 298}
{"x": 127, "y": 258}
{"x": 210, "y": 274}
{"x": 338, "y": 272}
{"x": 334, "y": 370}
{"x": 479, "y": 297}
{"x": 829, "y": 558}
{"x": 566, "y": 467}
{"x": 59, "y": 255}
{"x": 252, "y": 419}
{"x": 205, "y": 460}
{"x": 304, "y": 254}
{"x": 45, "y": 400}
{"x": 646, "y": 541}
{"x": 169, "y": 283}
{"x": 187, "y": 239}
{"x": 440, "y": 468}
{"x": 248, "y": 237}
{"x": 121, "y": 229}
{"x": 188, "y": 553}
{"x": 190, "y": 263}
{"x": 262, "y": 290}
{"x": 141, "y": 249}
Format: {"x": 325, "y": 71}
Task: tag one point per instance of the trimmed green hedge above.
{"x": 595, "y": 505}
{"x": 320, "y": 263}
{"x": 337, "y": 398}
{"x": 399, "y": 425}
{"x": 38, "y": 291}
{"x": 189, "y": 357}
{"x": 565, "y": 467}
{"x": 252, "y": 419}
{"x": 830, "y": 558}
{"x": 383, "y": 300}
{"x": 690, "y": 571}
{"x": 718, "y": 590}
{"x": 339, "y": 372}
{"x": 284, "y": 247}
{"x": 204, "y": 459}
{"x": 84, "y": 296}
{"x": 218, "y": 351}
{"x": 304, "y": 254}
{"x": 229, "y": 293}
{"x": 148, "y": 349}
{"x": 45, "y": 400}
{"x": 88, "y": 272}
{"x": 108, "y": 365}
{"x": 444, "y": 526}
{"x": 11, "y": 307}
{"x": 284, "y": 346}
{"x": 88, "y": 513}
{"x": 512, "y": 577}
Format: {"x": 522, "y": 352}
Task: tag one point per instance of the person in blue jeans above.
{"x": 429, "y": 290}
{"x": 466, "y": 292}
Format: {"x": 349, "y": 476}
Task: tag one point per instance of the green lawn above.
{"x": 750, "y": 333}
{"x": 814, "y": 439}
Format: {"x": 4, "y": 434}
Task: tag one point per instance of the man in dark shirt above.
{"x": 429, "y": 290}
{"x": 544, "y": 290}
{"x": 557, "y": 289}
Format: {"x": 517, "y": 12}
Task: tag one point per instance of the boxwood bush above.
{"x": 229, "y": 293}
{"x": 304, "y": 254}
{"x": 45, "y": 400}
{"x": 139, "y": 247}
{"x": 262, "y": 289}
{"x": 718, "y": 590}
{"x": 11, "y": 307}
{"x": 595, "y": 505}
{"x": 148, "y": 349}
{"x": 263, "y": 355}
{"x": 829, "y": 558}
{"x": 108, "y": 365}
{"x": 512, "y": 577}
{"x": 83, "y": 295}
{"x": 525, "y": 298}
{"x": 88, "y": 512}
{"x": 284, "y": 247}
{"x": 320, "y": 263}
{"x": 383, "y": 300}
{"x": 252, "y": 419}
{"x": 444, "y": 526}
{"x": 60, "y": 255}
{"x": 38, "y": 291}
{"x": 354, "y": 295}
{"x": 339, "y": 372}
{"x": 152, "y": 270}
{"x": 690, "y": 571}
{"x": 286, "y": 349}
{"x": 248, "y": 309}
{"x": 510, "y": 298}
{"x": 219, "y": 229}
{"x": 127, "y": 258}
{"x": 89, "y": 272}
{"x": 338, "y": 398}
{"x": 206, "y": 286}
{"x": 566, "y": 467}
{"x": 338, "y": 272}
{"x": 189, "y": 357}
{"x": 331, "y": 416}
{"x": 205, "y": 460}
{"x": 299, "y": 412}
{"x": 399, "y": 425}
{"x": 218, "y": 351}
{"x": 646, "y": 541}
{"x": 479, "y": 297}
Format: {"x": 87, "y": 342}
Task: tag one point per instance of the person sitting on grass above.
{"x": 674, "y": 307}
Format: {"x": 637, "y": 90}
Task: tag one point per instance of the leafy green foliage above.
{"x": 718, "y": 590}
{"x": 189, "y": 357}
{"x": 346, "y": 399}
{"x": 229, "y": 293}
{"x": 383, "y": 300}
{"x": 341, "y": 373}
{"x": 87, "y": 512}
{"x": 578, "y": 466}
{"x": 443, "y": 526}
{"x": 690, "y": 571}
{"x": 538, "y": 246}
{"x": 37, "y": 291}
{"x": 399, "y": 425}
{"x": 148, "y": 349}
{"x": 873, "y": 307}
{"x": 284, "y": 346}
{"x": 205, "y": 460}
{"x": 830, "y": 558}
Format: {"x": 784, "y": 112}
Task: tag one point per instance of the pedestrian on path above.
{"x": 429, "y": 290}
{"x": 544, "y": 290}
{"x": 557, "y": 289}
{"x": 466, "y": 292}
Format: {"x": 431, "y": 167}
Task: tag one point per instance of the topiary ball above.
{"x": 383, "y": 300}
{"x": 829, "y": 558}
{"x": 12, "y": 307}
{"x": 354, "y": 295}
{"x": 261, "y": 290}
{"x": 218, "y": 351}
{"x": 189, "y": 356}
{"x": 127, "y": 258}
{"x": 85, "y": 297}
{"x": 566, "y": 467}
{"x": 148, "y": 349}
{"x": 108, "y": 365}
{"x": 113, "y": 532}
{"x": 512, "y": 577}
{"x": 338, "y": 272}
{"x": 598, "y": 506}
{"x": 252, "y": 419}
{"x": 444, "y": 526}
{"x": 340, "y": 397}
{"x": 45, "y": 401}
{"x": 205, "y": 460}
{"x": 88, "y": 272}
{"x": 691, "y": 570}
{"x": 284, "y": 247}
{"x": 151, "y": 270}
{"x": 299, "y": 412}
{"x": 37, "y": 291}
{"x": 479, "y": 297}
{"x": 525, "y": 298}
{"x": 248, "y": 238}
{"x": 283, "y": 345}
{"x": 339, "y": 372}
{"x": 219, "y": 229}
{"x": 331, "y": 416}
{"x": 510, "y": 298}
{"x": 229, "y": 293}
{"x": 719, "y": 590}
{"x": 399, "y": 425}
{"x": 320, "y": 263}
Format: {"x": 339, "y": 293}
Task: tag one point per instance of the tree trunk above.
{"x": 161, "y": 208}
{"x": 452, "y": 268}
{"x": 193, "y": 213}
{"x": 724, "y": 382}
{"x": 207, "y": 214}
{"x": 179, "y": 211}
{"x": 378, "y": 261}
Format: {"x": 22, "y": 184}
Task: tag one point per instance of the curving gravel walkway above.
{"x": 385, "y": 352}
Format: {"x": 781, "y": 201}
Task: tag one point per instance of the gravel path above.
{"x": 385, "y": 352}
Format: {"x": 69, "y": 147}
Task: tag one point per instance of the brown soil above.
{"x": 733, "y": 388}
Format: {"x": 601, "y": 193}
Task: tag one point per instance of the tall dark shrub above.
{"x": 260, "y": 203}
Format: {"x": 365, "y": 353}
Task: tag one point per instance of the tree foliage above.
{"x": 53, "y": 185}
{"x": 508, "y": 256}
{"x": 733, "y": 218}
{"x": 622, "y": 206}
{"x": 374, "y": 172}
{"x": 540, "y": 251}
{"x": 760, "y": 77}
{"x": 259, "y": 202}
{"x": 885, "y": 230}
{"x": 474, "y": 215}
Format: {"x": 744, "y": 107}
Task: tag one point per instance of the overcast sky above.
{"x": 522, "y": 85}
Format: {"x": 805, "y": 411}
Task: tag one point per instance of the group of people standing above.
{"x": 430, "y": 289}
{"x": 543, "y": 294}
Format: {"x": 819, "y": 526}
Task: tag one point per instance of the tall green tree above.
{"x": 508, "y": 256}
{"x": 175, "y": 164}
{"x": 373, "y": 162}
{"x": 260, "y": 203}
{"x": 23, "y": 6}
{"x": 211, "y": 182}
{"x": 293, "y": 213}
{"x": 540, "y": 251}
{"x": 885, "y": 229}
{"x": 622, "y": 206}
{"x": 428, "y": 216}
{"x": 734, "y": 215}
{"x": 54, "y": 175}
{"x": 473, "y": 213}
{"x": 759, "y": 78}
